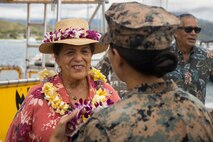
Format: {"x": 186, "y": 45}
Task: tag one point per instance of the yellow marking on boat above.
{"x": 12, "y": 94}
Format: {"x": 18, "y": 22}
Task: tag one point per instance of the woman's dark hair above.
{"x": 57, "y": 48}
{"x": 92, "y": 47}
{"x": 157, "y": 63}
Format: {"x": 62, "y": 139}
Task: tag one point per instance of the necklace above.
{"x": 74, "y": 98}
{"x": 71, "y": 94}
{"x": 79, "y": 88}
{"x": 61, "y": 107}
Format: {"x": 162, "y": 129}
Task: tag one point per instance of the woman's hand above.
{"x": 59, "y": 134}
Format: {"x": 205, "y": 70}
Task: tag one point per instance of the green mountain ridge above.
{"x": 207, "y": 30}
{"x": 15, "y": 30}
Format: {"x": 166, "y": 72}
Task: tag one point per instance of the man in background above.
{"x": 194, "y": 63}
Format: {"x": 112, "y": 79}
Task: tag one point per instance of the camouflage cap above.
{"x": 138, "y": 26}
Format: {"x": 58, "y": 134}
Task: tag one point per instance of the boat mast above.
{"x": 58, "y": 18}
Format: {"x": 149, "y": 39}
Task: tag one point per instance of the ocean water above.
{"x": 13, "y": 52}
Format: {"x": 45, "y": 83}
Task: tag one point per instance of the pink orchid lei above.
{"x": 85, "y": 107}
{"x": 70, "y": 33}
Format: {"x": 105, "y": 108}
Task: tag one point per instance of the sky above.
{"x": 202, "y": 9}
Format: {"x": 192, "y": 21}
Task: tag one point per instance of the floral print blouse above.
{"x": 193, "y": 75}
{"x": 36, "y": 120}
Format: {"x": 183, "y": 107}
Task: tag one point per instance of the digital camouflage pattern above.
{"x": 194, "y": 74}
{"x": 137, "y": 26}
{"x": 151, "y": 113}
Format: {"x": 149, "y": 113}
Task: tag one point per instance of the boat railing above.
{"x": 16, "y": 68}
{"x": 18, "y": 82}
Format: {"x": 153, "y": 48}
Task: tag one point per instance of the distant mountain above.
{"x": 207, "y": 30}
{"x": 15, "y": 30}
{"x": 51, "y": 22}
{"x": 12, "y": 28}
{"x": 24, "y": 22}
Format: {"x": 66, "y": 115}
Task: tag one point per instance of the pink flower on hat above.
{"x": 70, "y": 33}
{"x": 93, "y": 35}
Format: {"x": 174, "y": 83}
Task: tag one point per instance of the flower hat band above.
{"x": 70, "y": 33}
{"x": 73, "y": 32}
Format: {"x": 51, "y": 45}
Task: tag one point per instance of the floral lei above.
{"x": 70, "y": 33}
{"x": 85, "y": 107}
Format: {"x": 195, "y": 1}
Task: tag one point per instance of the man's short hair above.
{"x": 186, "y": 15}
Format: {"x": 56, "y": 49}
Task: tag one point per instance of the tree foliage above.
{"x": 13, "y": 30}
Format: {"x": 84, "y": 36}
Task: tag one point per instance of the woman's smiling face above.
{"x": 74, "y": 61}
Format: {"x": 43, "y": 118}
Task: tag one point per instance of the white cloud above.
{"x": 200, "y": 8}
{"x": 7, "y": 12}
{"x": 19, "y": 11}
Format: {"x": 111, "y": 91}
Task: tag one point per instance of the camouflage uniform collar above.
{"x": 156, "y": 88}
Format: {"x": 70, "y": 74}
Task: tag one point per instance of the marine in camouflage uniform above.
{"x": 151, "y": 112}
{"x": 165, "y": 115}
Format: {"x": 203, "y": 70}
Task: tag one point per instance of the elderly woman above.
{"x": 76, "y": 86}
{"x": 154, "y": 110}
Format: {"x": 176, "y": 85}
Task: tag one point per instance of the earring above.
{"x": 58, "y": 69}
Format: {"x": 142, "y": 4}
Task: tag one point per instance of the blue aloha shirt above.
{"x": 193, "y": 75}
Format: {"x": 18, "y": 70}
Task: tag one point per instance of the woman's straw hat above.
{"x": 73, "y": 32}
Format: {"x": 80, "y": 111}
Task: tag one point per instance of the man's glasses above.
{"x": 190, "y": 29}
